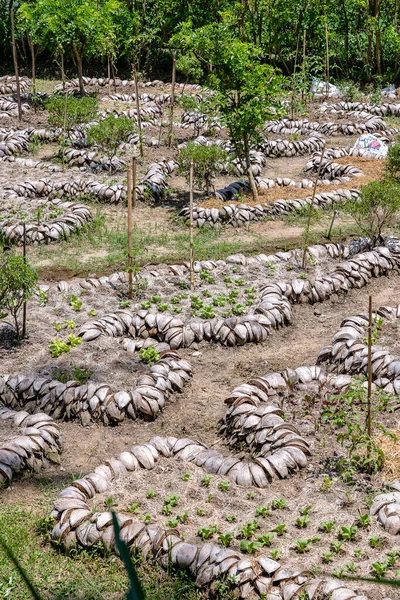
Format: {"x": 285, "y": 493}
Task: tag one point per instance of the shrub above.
{"x": 17, "y": 284}
{"x": 208, "y": 160}
{"x": 68, "y": 112}
{"x": 377, "y": 207}
{"x": 109, "y": 133}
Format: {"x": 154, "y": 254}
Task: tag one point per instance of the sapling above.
{"x": 18, "y": 283}
{"x": 109, "y": 133}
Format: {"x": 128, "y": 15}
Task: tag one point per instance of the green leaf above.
{"x": 136, "y": 591}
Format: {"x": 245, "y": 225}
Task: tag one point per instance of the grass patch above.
{"x": 84, "y": 575}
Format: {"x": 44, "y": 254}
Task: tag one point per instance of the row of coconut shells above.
{"x": 117, "y": 82}
{"x": 153, "y": 184}
{"x": 9, "y": 108}
{"x": 207, "y": 563}
{"x": 330, "y": 170}
{"x": 38, "y": 440}
{"x": 382, "y": 110}
{"x": 97, "y": 401}
{"x": 277, "y": 148}
{"x": 387, "y": 508}
{"x": 372, "y": 124}
{"x": 254, "y": 417}
{"x": 319, "y": 252}
{"x": 273, "y": 311}
{"x": 83, "y": 158}
{"x": 8, "y": 84}
{"x": 239, "y": 215}
{"x": 75, "y": 217}
{"x": 32, "y": 164}
{"x": 349, "y": 350}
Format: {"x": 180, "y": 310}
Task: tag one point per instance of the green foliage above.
{"x": 207, "y": 162}
{"x": 377, "y": 208}
{"x": 18, "y": 282}
{"x": 67, "y": 112}
{"x": 109, "y": 133}
{"x": 149, "y": 355}
{"x": 75, "y": 303}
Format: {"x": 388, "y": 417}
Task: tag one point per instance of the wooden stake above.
{"x": 134, "y": 181}
{"x": 62, "y": 71}
{"x": 139, "y": 118}
{"x": 327, "y": 57}
{"x": 171, "y": 118}
{"x": 129, "y": 198}
{"x": 24, "y": 305}
{"x": 109, "y": 75}
{"x": 311, "y": 207}
{"x": 15, "y": 60}
{"x": 369, "y": 417}
{"x": 335, "y": 212}
{"x": 191, "y": 258}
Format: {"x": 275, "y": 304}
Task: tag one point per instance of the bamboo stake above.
{"x": 335, "y": 213}
{"x": 139, "y": 118}
{"x": 109, "y": 75}
{"x": 129, "y": 199}
{"x": 191, "y": 226}
{"x": 311, "y": 207}
{"x": 24, "y": 305}
{"x": 134, "y": 166}
{"x": 369, "y": 417}
{"x": 15, "y": 60}
{"x": 171, "y": 118}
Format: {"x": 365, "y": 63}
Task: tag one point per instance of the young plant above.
{"x": 207, "y": 532}
{"x": 379, "y": 569}
{"x": 146, "y": 518}
{"x": 364, "y": 520}
{"x": 150, "y": 493}
{"x": 348, "y": 534}
{"x": 173, "y": 523}
{"x": 266, "y": 539}
{"x": 200, "y": 512}
{"x": 262, "y": 511}
{"x": 134, "y": 507}
{"x": 186, "y": 476}
{"x": 275, "y": 553}
{"x": 225, "y": 539}
{"x": 231, "y": 518}
{"x": 327, "y": 557}
{"x": 336, "y": 547}
{"x": 302, "y": 521}
{"x": 74, "y": 340}
{"x": 302, "y": 546}
{"x": 374, "y": 541}
{"x": 326, "y": 526}
{"x": 58, "y": 347}
{"x": 75, "y": 304}
{"x": 172, "y": 500}
{"x": 18, "y": 281}
{"x": 278, "y": 504}
{"x": 149, "y": 355}
{"x": 224, "y": 486}
{"x": 250, "y": 547}
{"x": 183, "y": 518}
{"x": 109, "y": 133}
{"x": 205, "y": 480}
{"x": 279, "y": 529}
{"x": 246, "y": 531}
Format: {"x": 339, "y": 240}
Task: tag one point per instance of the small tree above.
{"x": 208, "y": 160}
{"x": 67, "y": 112}
{"x": 200, "y": 110}
{"x": 109, "y": 133}
{"x": 393, "y": 162}
{"x": 17, "y": 284}
{"x": 377, "y": 208}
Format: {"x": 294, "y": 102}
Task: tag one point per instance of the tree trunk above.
{"x": 15, "y": 60}
{"x": 80, "y": 71}
{"x": 62, "y": 71}
{"x": 249, "y": 171}
{"x": 346, "y": 38}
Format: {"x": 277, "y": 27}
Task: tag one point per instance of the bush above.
{"x": 208, "y": 160}
{"x": 349, "y": 91}
{"x": 377, "y": 207}
{"x": 393, "y": 162}
{"x": 67, "y": 112}
{"x": 17, "y": 284}
{"x": 109, "y": 133}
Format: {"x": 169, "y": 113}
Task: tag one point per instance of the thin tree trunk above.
{"x": 346, "y": 38}
{"x": 139, "y": 118}
{"x": 80, "y": 70}
{"x": 32, "y": 49}
{"x": 327, "y": 57}
{"x": 15, "y": 60}
{"x": 171, "y": 118}
{"x": 249, "y": 171}
{"x": 62, "y": 71}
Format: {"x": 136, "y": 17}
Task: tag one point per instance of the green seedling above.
{"x": 172, "y": 500}
{"x": 350, "y": 567}
{"x": 358, "y": 553}
{"x": 336, "y": 547}
{"x": 145, "y": 304}
{"x": 205, "y": 480}
{"x": 207, "y": 294}
{"x": 186, "y": 476}
{"x": 246, "y": 531}
{"x": 209, "y": 498}
{"x": 279, "y": 529}
{"x": 224, "y": 486}
{"x": 57, "y": 326}
{"x": 275, "y": 553}
{"x": 302, "y": 522}
{"x": 379, "y": 569}
{"x": 110, "y": 502}
{"x": 75, "y": 304}
{"x": 364, "y": 520}
{"x": 149, "y": 355}
{"x": 207, "y": 532}
{"x": 348, "y": 534}
{"x": 327, "y": 557}
{"x": 305, "y": 511}
{"x": 266, "y": 539}
{"x": 262, "y": 511}
{"x": 70, "y": 324}
{"x": 146, "y": 518}
{"x": 326, "y": 526}
{"x": 239, "y": 281}
{"x": 374, "y": 541}
{"x": 124, "y": 304}
{"x": 91, "y": 312}
{"x": 150, "y": 493}
{"x": 225, "y": 539}
{"x": 183, "y": 517}
{"x": 200, "y": 512}
{"x": 162, "y": 307}
{"x": 175, "y": 300}
{"x": 207, "y": 312}
{"x": 58, "y": 347}
{"x": 302, "y": 546}
{"x": 173, "y": 523}
{"x": 176, "y": 309}
{"x": 43, "y": 297}
{"x": 134, "y": 507}
{"x": 155, "y": 299}
{"x": 249, "y": 547}
{"x": 278, "y": 504}
{"x": 167, "y": 510}
{"x": 231, "y": 518}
